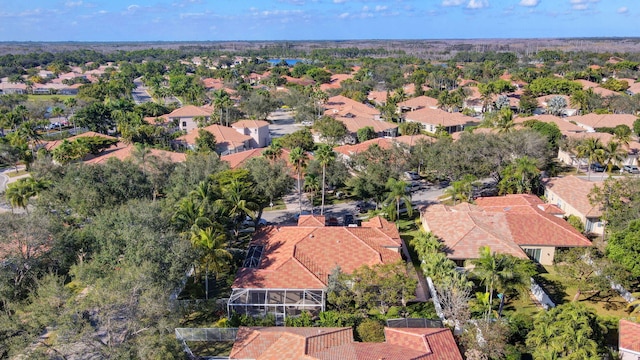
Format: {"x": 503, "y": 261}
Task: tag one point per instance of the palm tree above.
{"x": 456, "y": 192}
{"x": 311, "y": 185}
{"x": 501, "y": 272}
{"x": 397, "y": 192}
{"x": 273, "y": 152}
{"x": 237, "y": 202}
{"x": 590, "y": 149}
{"x": 19, "y": 192}
{"x": 325, "y": 156}
{"x": 505, "y": 122}
{"x": 70, "y": 106}
{"x": 212, "y": 242}
{"x": 614, "y": 154}
{"x": 298, "y": 157}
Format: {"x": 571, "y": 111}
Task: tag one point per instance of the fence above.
{"x": 541, "y": 296}
{"x": 414, "y": 323}
{"x": 206, "y": 334}
{"x": 434, "y": 298}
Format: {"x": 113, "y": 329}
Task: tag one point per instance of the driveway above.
{"x": 282, "y": 123}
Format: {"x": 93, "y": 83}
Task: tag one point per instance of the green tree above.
{"x": 591, "y": 149}
{"x": 205, "y": 142}
{"x": 301, "y": 138}
{"x": 366, "y": 133}
{"x": 18, "y": 193}
{"x": 397, "y": 193}
{"x": 331, "y": 130}
{"x": 623, "y": 247}
{"x": 325, "y": 155}
{"x": 312, "y": 186}
{"x": 299, "y": 158}
{"x": 568, "y": 331}
{"x": 520, "y": 177}
{"x": 212, "y": 245}
{"x": 614, "y": 155}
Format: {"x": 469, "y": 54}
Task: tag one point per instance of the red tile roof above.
{"x": 302, "y": 257}
{"x": 531, "y": 225}
{"x": 563, "y": 123}
{"x": 342, "y": 105}
{"x": 337, "y": 343}
{"x": 223, "y": 135}
{"x": 605, "y": 120}
{"x": 349, "y": 150}
{"x": 605, "y": 138}
{"x": 412, "y": 140}
{"x": 439, "y": 117}
{"x": 124, "y": 153}
{"x": 190, "y": 111}
{"x": 629, "y": 336}
{"x": 336, "y": 81}
{"x": 238, "y": 159}
{"x": 575, "y": 192}
{"x": 250, "y": 124}
{"x": 356, "y": 123}
{"x": 504, "y": 223}
{"x": 419, "y": 102}
{"x": 50, "y": 145}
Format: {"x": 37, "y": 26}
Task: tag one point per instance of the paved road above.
{"x": 419, "y": 199}
{"x": 140, "y": 93}
{"x": 282, "y": 123}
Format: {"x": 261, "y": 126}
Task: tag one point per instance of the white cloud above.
{"x": 73, "y": 3}
{"x": 582, "y": 4}
{"x": 381, "y": 7}
{"x": 451, "y": 2}
{"x": 477, "y": 4}
{"x": 529, "y": 3}
{"x": 623, "y": 10}
{"x": 339, "y": 1}
{"x": 343, "y": 15}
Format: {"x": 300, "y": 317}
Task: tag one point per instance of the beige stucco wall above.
{"x": 629, "y": 355}
{"x": 547, "y": 253}
{"x": 553, "y": 198}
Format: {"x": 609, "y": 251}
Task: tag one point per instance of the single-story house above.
{"x": 126, "y": 153}
{"x": 519, "y": 225}
{"x": 267, "y": 343}
{"x": 355, "y": 123}
{"x": 569, "y": 158}
{"x": 335, "y": 82}
{"x": 258, "y": 130}
{"x": 13, "y": 88}
{"x": 543, "y": 103}
{"x": 417, "y": 103}
{"x": 431, "y": 119}
{"x": 228, "y": 140}
{"x": 342, "y": 106}
{"x": 593, "y": 121}
{"x": 186, "y": 117}
{"x": 563, "y": 124}
{"x": 571, "y": 194}
{"x": 286, "y": 268}
{"x": 629, "y": 340}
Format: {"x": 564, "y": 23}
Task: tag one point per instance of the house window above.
{"x": 534, "y": 254}
{"x": 184, "y": 124}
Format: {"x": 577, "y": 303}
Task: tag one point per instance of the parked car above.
{"x": 248, "y": 221}
{"x": 363, "y": 207}
{"x": 597, "y": 167}
{"x": 631, "y": 169}
{"x": 411, "y": 175}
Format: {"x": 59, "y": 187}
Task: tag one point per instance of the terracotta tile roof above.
{"x": 210, "y": 83}
{"x": 464, "y": 231}
{"x": 531, "y": 225}
{"x": 268, "y": 343}
{"x": 586, "y": 84}
{"x": 189, "y": 111}
{"x": 251, "y": 124}
{"x": 575, "y": 192}
{"x": 224, "y": 135}
{"x": 542, "y": 100}
{"x": 634, "y": 87}
{"x": 50, "y": 145}
{"x": 350, "y": 150}
{"x": 379, "y": 97}
{"x": 336, "y": 81}
{"x": 412, "y": 140}
{"x": 605, "y": 138}
{"x": 238, "y": 159}
{"x": 342, "y": 105}
{"x": 156, "y": 120}
{"x": 419, "y": 102}
{"x": 504, "y": 223}
{"x": 302, "y": 257}
{"x": 439, "y": 117}
{"x": 356, "y": 123}
{"x": 299, "y": 81}
{"x": 551, "y": 209}
{"x": 124, "y": 153}
{"x": 605, "y": 120}
{"x": 478, "y": 130}
{"x": 311, "y": 220}
{"x": 563, "y": 123}
{"x": 629, "y": 336}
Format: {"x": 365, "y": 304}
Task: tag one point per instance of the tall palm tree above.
{"x": 237, "y": 202}
{"x": 273, "y": 152}
{"x": 298, "y": 157}
{"x": 312, "y": 186}
{"x": 614, "y": 154}
{"x": 590, "y": 149}
{"x": 19, "y": 192}
{"x": 505, "y": 122}
{"x": 212, "y": 242}
{"x": 325, "y": 156}
{"x": 397, "y": 192}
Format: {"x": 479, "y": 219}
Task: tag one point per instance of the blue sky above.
{"x": 197, "y": 20}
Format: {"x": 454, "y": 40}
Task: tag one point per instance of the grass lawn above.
{"x": 210, "y": 348}
{"x": 277, "y": 205}
{"x": 14, "y": 173}
{"x": 605, "y": 305}
{"x": 48, "y": 97}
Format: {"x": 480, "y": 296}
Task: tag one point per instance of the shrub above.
{"x": 370, "y": 330}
